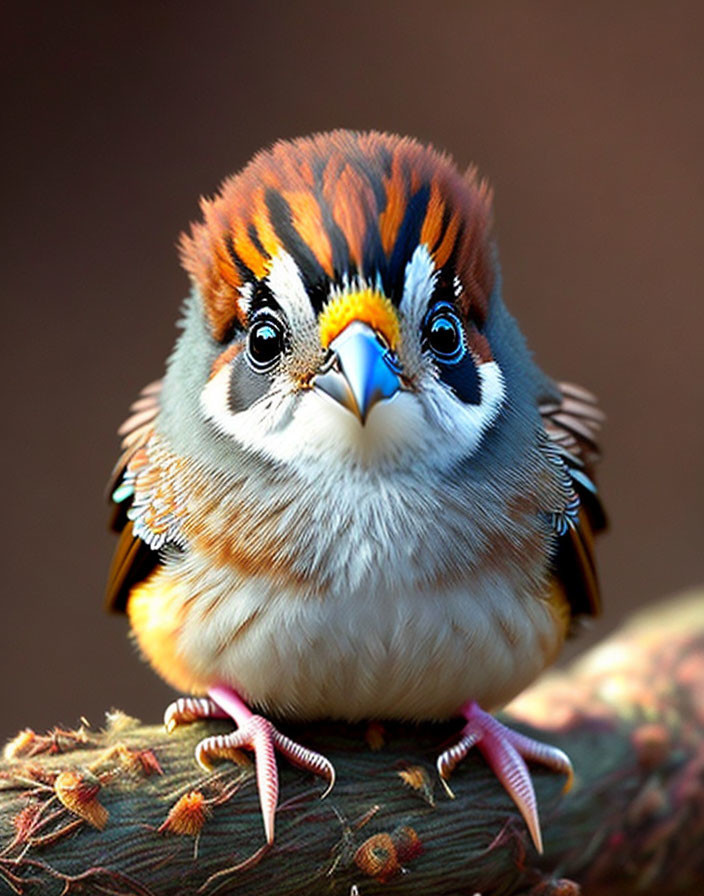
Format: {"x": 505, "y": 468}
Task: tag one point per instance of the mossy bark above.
{"x": 127, "y": 811}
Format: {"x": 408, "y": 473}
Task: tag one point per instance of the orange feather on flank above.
{"x": 156, "y": 608}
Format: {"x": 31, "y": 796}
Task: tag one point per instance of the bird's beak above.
{"x": 359, "y": 370}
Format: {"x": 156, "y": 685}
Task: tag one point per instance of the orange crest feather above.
{"x": 343, "y": 204}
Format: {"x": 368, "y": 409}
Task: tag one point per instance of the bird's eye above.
{"x": 265, "y": 343}
{"x": 443, "y": 334}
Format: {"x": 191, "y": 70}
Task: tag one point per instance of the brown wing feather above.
{"x": 133, "y": 560}
{"x": 135, "y": 431}
{"x": 573, "y": 422}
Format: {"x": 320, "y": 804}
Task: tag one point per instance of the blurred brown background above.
{"x": 587, "y": 118}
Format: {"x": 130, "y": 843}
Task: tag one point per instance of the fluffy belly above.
{"x": 406, "y": 655}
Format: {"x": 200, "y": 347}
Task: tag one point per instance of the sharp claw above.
{"x": 190, "y": 709}
{"x": 202, "y": 758}
{"x": 448, "y": 789}
{"x": 510, "y": 769}
{"x": 267, "y": 776}
{"x": 268, "y": 816}
{"x": 448, "y": 760}
{"x": 221, "y": 746}
{"x": 533, "y": 825}
{"x": 170, "y": 717}
{"x": 331, "y": 782}
{"x": 505, "y": 751}
{"x": 570, "y": 780}
{"x": 259, "y": 735}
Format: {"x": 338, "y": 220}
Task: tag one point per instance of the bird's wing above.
{"x": 572, "y": 420}
{"x": 133, "y": 558}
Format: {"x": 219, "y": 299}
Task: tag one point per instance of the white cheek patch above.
{"x": 463, "y": 424}
{"x": 306, "y": 426}
{"x": 246, "y": 427}
{"x": 306, "y": 429}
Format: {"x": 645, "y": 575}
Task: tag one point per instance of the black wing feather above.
{"x": 572, "y": 421}
{"x": 133, "y": 560}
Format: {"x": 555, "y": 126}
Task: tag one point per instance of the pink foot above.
{"x": 254, "y": 733}
{"x": 505, "y": 751}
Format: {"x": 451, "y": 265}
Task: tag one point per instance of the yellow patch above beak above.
{"x": 366, "y": 305}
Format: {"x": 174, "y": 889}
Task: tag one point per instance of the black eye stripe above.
{"x": 463, "y": 378}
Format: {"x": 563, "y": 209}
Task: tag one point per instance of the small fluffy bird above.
{"x": 354, "y": 495}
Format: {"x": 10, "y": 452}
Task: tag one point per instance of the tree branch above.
{"x": 127, "y": 811}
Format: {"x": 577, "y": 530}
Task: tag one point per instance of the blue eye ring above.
{"x": 443, "y": 334}
{"x": 266, "y": 341}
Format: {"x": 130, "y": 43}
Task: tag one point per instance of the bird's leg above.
{"x": 257, "y": 734}
{"x": 505, "y": 751}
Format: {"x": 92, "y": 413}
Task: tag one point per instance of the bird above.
{"x": 354, "y": 495}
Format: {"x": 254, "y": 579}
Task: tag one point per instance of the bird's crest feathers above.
{"x": 343, "y": 204}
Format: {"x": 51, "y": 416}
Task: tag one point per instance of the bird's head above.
{"x": 343, "y": 289}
